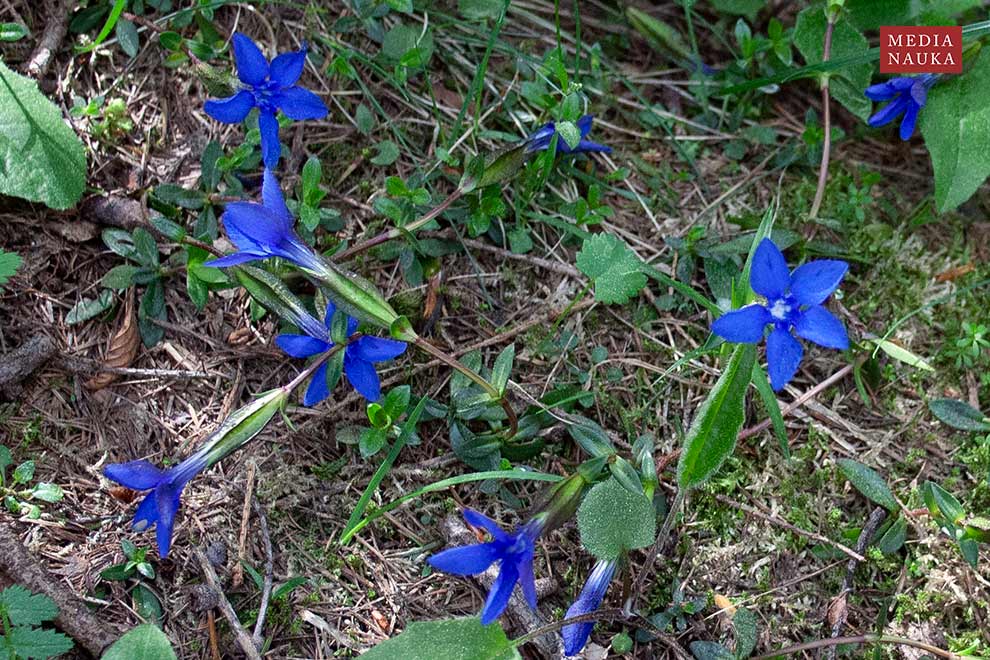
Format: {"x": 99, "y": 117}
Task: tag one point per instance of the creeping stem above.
{"x": 453, "y": 363}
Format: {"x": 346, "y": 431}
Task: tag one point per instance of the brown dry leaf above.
{"x": 123, "y": 347}
{"x": 837, "y": 610}
{"x": 239, "y": 337}
{"x": 955, "y": 273}
{"x": 723, "y": 603}
{"x": 380, "y": 620}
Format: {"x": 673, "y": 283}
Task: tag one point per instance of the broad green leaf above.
{"x": 590, "y": 436}
{"x": 402, "y": 40}
{"x": 613, "y": 267}
{"x": 12, "y": 31}
{"x": 710, "y": 651}
{"x": 47, "y": 492}
{"x": 902, "y": 354}
{"x": 613, "y": 520}
{"x": 569, "y": 133}
{"x": 970, "y": 551}
{"x": 41, "y": 158}
{"x": 25, "y": 608}
{"x": 119, "y": 277}
{"x": 744, "y": 629}
{"x": 38, "y": 642}
{"x": 9, "y": 263}
{"x": 959, "y": 415}
{"x": 941, "y": 502}
{"x": 893, "y": 539}
{"x": 503, "y": 368}
{"x": 871, "y": 14}
{"x": 868, "y": 482}
{"x": 145, "y": 642}
{"x": 476, "y": 10}
{"x": 956, "y": 126}
{"x": 452, "y": 639}
{"x": 846, "y": 86}
{"x": 712, "y": 436}
{"x": 88, "y": 308}
{"x": 127, "y": 37}
{"x": 24, "y": 472}
{"x": 387, "y": 154}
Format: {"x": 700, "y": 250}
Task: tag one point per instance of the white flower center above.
{"x": 780, "y": 309}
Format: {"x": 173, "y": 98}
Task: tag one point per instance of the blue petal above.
{"x": 744, "y": 325}
{"x": 362, "y": 376}
{"x": 919, "y": 93}
{"x": 910, "y": 119}
{"x": 167, "y": 501}
{"x": 352, "y": 325}
{"x": 482, "y": 521}
{"x": 889, "y": 112}
{"x": 301, "y": 346}
{"x": 136, "y": 475}
{"x": 328, "y": 315}
{"x": 317, "y": 390}
{"x": 880, "y": 92}
{"x": 540, "y": 140}
{"x": 234, "y": 259}
{"x": 252, "y": 227}
{"x": 252, "y": 67}
{"x": 527, "y": 580}
{"x": 587, "y": 146}
{"x": 146, "y": 514}
{"x": 768, "y": 274}
{"x": 784, "y": 355}
{"x": 231, "y": 110}
{"x": 815, "y": 281}
{"x": 271, "y": 148}
{"x": 901, "y": 83}
{"x": 590, "y": 599}
{"x": 817, "y": 324}
{"x": 271, "y": 196}
{"x": 377, "y": 349}
{"x": 287, "y": 67}
{"x": 468, "y": 560}
{"x": 500, "y": 593}
{"x": 298, "y": 103}
{"x": 584, "y": 125}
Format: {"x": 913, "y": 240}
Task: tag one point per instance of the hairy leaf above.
{"x": 613, "y": 267}
{"x": 453, "y": 639}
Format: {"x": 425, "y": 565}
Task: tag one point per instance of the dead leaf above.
{"x": 380, "y": 620}
{"x": 837, "y": 610}
{"x": 240, "y": 336}
{"x": 78, "y": 231}
{"x": 121, "y": 494}
{"x": 723, "y": 603}
{"x": 123, "y": 347}
{"x": 955, "y": 273}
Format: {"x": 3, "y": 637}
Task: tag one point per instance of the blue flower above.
{"x": 264, "y": 230}
{"x": 793, "y": 300}
{"x": 576, "y": 634}
{"x": 907, "y": 96}
{"x": 160, "y": 505}
{"x": 540, "y": 140}
{"x": 270, "y": 88}
{"x": 514, "y": 551}
{"x": 359, "y": 356}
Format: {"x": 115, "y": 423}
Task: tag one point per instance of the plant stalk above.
{"x": 826, "y": 111}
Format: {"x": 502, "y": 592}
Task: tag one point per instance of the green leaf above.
{"x": 47, "y": 492}
{"x": 453, "y": 639}
{"x": 613, "y": 520}
{"x": 364, "y": 119}
{"x": 404, "y": 6}
{"x": 12, "y": 31}
{"x": 479, "y": 10}
{"x": 959, "y": 415}
{"x": 38, "y": 643}
{"x": 744, "y": 629}
{"x": 146, "y": 603}
{"x": 941, "y": 502}
{"x": 970, "y": 551}
{"x": 712, "y": 436}
{"x": 408, "y": 44}
{"x": 570, "y": 133}
{"x": 847, "y": 84}
{"x": 868, "y": 482}
{"x": 371, "y": 442}
{"x": 710, "y": 651}
{"x": 9, "y": 263}
{"x": 41, "y": 158}
{"x": 590, "y": 436}
{"x": 503, "y": 368}
{"x": 6, "y": 460}
{"x": 387, "y": 154}
{"x": 119, "y": 277}
{"x": 25, "y": 608}
{"x": 902, "y": 354}
{"x": 127, "y": 37}
{"x": 893, "y": 539}
{"x": 145, "y": 642}
{"x": 956, "y": 126}
{"x": 747, "y": 8}
{"x": 24, "y": 472}
{"x": 87, "y": 308}
{"x": 613, "y": 267}
{"x": 871, "y": 14}
{"x": 761, "y": 382}
{"x": 312, "y": 175}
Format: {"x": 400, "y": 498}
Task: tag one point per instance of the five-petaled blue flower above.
{"x": 264, "y": 230}
{"x": 359, "y": 356}
{"x": 514, "y": 551}
{"x": 907, "y": 96}
{"x": 590, "y": 599}
{"x": 794, "y": 300}
{"x": 270, "y": 88}
{"x": 160, "y": 505}
{"x": 540, "y": 140}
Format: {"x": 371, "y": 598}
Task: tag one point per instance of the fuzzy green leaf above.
{"x": 38, "y": 643}
{"x": 41, "y": 158}
{"x": 145, "y": 642}
{"x": 9, "y": 263}
{"x": 613, "y": 267}
{"x": 613, "y": 520}
{"x": 25, "y": 608}
{"x": 959, "y": 415}
{"x": 712, "y": 436}
{"x": 956, "y": 126}
{"x": 453, "y": 639}
{"x": 868, "y": 482}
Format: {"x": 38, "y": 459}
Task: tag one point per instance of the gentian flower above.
{"x": 359, "y": 356}
{"x": 540, "y": 140}
{"x": 793, "y": 300}
{"x": 576, "y": 634}
{"x": 159, "y": 507}
{"x": 907, "y": 96}
{"x": 270, "y": 88}
{"x": 515, "y": 552}
{"x": 261, "y": 231}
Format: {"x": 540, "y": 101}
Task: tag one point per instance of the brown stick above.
{"x": 859, "y": 639}
{"x": 22, "y": 362}
{"x": 237, "y": 574}
{"x": 91, "y": 632}
{"x": 266, "y": 591}
{"x": 243, "y": 639}
{"x": 55, "y": 28}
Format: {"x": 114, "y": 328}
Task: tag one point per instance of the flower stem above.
{"x": 388, "y": 235}
{"x": 826, "y": 111}
{"x": 454, "y": 363}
